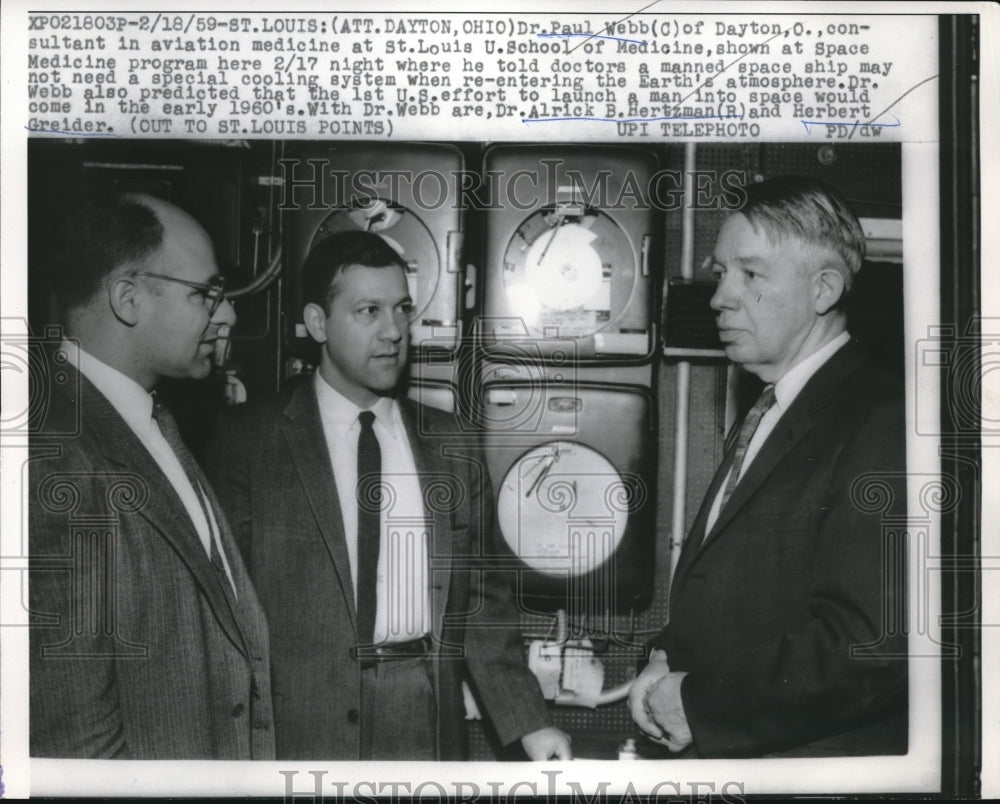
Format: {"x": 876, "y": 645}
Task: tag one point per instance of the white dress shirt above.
{"x": 403, "y": 610}
{"x": 785, "y": 391}
{"x": 135, "y": 405}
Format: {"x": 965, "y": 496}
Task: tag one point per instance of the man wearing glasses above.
{"x": 148, "y": 641}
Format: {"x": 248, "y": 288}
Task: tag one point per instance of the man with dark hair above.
{"x": 147, "y": 638}
{"x": 366, "y": 524}
{"x": 785, "y": 634}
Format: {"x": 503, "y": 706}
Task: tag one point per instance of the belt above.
{"x": 395, "y": 651}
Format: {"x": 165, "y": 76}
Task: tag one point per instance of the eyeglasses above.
{"x": 213, "y": 291}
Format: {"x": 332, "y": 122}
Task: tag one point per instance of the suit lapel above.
{"x": 163, "y": 508}
{"x": 792, "y": 427}
{"x": 697, "y": 536}
{"x": 241, "y": 580}
{"x": 430, "y": 464}
{"x": 303, "y": 431}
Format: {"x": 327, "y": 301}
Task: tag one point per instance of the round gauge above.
{"x": 568, "y": 272}
{"x": 402, "y": 230}
{"x": 563, "y": 508}
{"x": 569, "y": 268}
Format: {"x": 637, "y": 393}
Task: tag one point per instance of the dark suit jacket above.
{"x": 272, "y": 470}
{"x": 136, "y": 652}
{"x": 787, "y": 617}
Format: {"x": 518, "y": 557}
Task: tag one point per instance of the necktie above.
{"x": 750, "y": 424}
{"x": 168, "y": 428}
{"x": 369, "y": 497}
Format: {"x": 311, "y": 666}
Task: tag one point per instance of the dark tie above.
{"x": 750, "y": 424}
{"x": 168, "y": 428}
{"x": 369, "y": 497}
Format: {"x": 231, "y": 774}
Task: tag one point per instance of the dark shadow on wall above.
{"x": 875, "y": 313}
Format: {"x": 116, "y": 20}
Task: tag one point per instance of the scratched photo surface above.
{"x": 554, "y": 190}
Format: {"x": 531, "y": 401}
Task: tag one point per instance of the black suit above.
{"x": 771, "y": 613}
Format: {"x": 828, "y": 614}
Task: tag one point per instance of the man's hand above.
{"x": 664, "y": 705}
{"x": 651, "y": 674}
{"x": 655, "y": 704}
{"x": 547, "y": 743}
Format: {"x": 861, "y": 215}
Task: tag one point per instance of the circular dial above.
{"x": 402, "y": 230}
{"x": 568, "y": 271}
{"x": 570, "y": 268}
{"x": 563, "y": 508}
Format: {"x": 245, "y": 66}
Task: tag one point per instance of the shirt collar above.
{"x": 789, "y": 386}
{"x": 133, "y": 402}
{"x": 342, "y": 414}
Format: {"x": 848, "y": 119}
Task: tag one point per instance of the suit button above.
{"x": 238, "y": 710}
{"x": 353, "y": 715}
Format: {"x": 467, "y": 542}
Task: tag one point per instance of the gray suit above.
{"x": 272, "y": 470}
{"x": 137, "y": 651}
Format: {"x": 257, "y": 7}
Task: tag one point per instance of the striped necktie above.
{"x": 168, "y": 428}
{"x": 750, "y": 424}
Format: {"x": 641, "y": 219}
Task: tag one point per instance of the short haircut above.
{"x": 333, "y": 254}
{"x": 97, "y": 239}
{"x": 809, "y": 210}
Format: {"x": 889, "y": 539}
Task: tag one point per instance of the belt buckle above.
{"x": 404, "y": 650}
{"x": 391, "y": 651}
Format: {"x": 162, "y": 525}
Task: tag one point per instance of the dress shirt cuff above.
{"x": 658, "y": 642}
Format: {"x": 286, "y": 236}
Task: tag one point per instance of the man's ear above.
{"x": 122, "y": 296}
{"x": 829, "y": 286}
{"x": 314, "y": 318}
